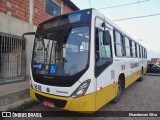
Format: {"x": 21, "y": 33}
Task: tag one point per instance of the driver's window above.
{"x": 39, "y": 52}
{"x": 102, "y": 51}
{"x": 102, "y": 47}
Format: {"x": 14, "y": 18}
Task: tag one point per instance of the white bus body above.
{"x": 107, "y": 65}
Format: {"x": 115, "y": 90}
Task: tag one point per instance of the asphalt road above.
{"x": 140, "y": 96}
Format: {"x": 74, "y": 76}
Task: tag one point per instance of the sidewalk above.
{"x": 13, "y": 95}
{"x": 11, "y": 87}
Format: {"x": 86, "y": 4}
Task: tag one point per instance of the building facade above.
{"x": 16, "y": 18}
{"x": 155, "y": 61}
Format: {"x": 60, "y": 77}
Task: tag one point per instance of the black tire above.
{"x": 141, "y": 78}
{"x": 119, "y": 92}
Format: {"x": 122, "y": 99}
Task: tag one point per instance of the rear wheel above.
{"x": 119, "y": 92}
{"x": 141, "y": 78}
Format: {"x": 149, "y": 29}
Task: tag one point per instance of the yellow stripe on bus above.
{"x": 88, "y": 103}
{"x": 91, "y": 102}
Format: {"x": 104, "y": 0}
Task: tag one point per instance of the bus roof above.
{"x": 114, "y": 25}
{"x": 97, "y": 13}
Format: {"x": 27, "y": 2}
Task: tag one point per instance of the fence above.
{"x": 12, "y": 58}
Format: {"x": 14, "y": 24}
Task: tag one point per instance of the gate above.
{"x": 12, "y": 58}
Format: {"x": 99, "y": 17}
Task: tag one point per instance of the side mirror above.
{"x": 23, "y": 39}
{"x": 28, "y": 33}
{"x": 106, "y": 37}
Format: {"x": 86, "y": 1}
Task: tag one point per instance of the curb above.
{"x": 152, "y": 74}
{"x": 20, "y": 105}
{"x": 13, "y": 97}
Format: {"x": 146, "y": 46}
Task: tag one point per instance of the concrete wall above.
{"x": 9, "y": 69}
{"x": 15, "y": 26}
{"x": 31, "y": 11}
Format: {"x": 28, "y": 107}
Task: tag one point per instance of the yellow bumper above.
{"x": 82, "y": 104}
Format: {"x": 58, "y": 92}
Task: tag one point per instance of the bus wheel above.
{"x": 141, "y": 78}
{"x": 119, "y": 92}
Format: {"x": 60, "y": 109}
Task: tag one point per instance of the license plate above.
{"x": 48, "y": 104}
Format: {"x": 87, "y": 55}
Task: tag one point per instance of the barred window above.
{"x": 11, "y": 56}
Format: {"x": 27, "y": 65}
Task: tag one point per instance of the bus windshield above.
{"x": 61, "y": 52}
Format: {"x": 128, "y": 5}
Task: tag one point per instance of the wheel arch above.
{"x": 122, "y": 78}
{"x": 142, "y": 69}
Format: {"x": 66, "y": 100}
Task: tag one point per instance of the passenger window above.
{"x": 127, "y": 47}
{"x": 119, "y": 50}
{"x": 137, "y": 50}
{"x": 145, "y": 53}
{"x": 140, "y": 52}
{"x": 133, "y": 49}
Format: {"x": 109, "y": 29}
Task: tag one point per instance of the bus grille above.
{"x": 58, "y": 103}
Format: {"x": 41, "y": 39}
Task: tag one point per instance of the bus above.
{"x": 82, "y": 61}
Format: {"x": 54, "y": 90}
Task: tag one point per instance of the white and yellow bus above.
{"x": 82, "y": 60}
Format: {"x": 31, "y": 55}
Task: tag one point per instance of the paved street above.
{"x": 140, "y": 96}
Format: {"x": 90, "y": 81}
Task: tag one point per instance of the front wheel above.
{"x": 119, "y": 92}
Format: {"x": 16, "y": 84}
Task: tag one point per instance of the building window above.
{"x": 52, "y": 9}
{"x": 11, "y": 57}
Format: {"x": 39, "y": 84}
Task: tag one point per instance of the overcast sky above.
{"x": 146, "y": 29}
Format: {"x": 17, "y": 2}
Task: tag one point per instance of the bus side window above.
{"x": 103, "y": 54}
{"x": 118, "y": 42}
{"x": 102, "y": 51}
{"x": 96, "y": 45}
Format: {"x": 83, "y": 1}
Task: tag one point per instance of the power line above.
{"x": 137, "y": 17}
{"x": 124, "y": 4}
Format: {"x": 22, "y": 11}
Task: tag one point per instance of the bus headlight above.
{"x": 81, "y": 90}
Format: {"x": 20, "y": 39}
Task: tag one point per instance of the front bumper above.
{"x": 85, "y": 103}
